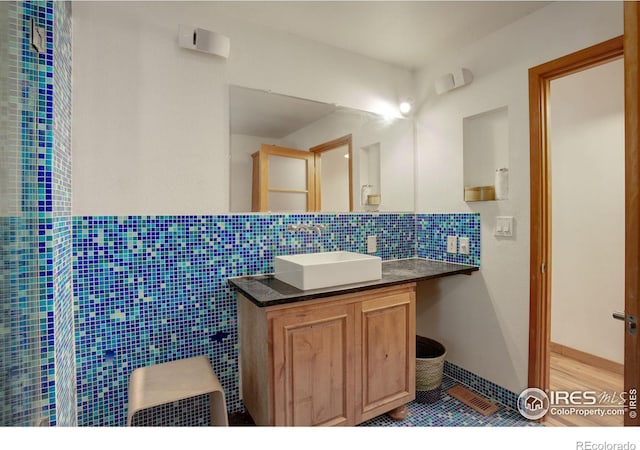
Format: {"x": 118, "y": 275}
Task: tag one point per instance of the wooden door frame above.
{"x": 260, "y": 177}
{"x": 632, "y": 194}
{"x": 540, "y": 252}
{"x": 327, "y": 146}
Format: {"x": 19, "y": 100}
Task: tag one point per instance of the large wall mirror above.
{"x": 296, "y": 155}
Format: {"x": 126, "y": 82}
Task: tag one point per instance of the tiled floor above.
{"x": 450, "y": 412}
{"x": 447, "y": 412}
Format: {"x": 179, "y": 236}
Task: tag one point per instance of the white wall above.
{"x": 151, "y": 120}
{"x": 483, "y": 319}
{"x": 334, "y": 180}
{"x": 586, "y": 132}
{"x": 369, "y": 157}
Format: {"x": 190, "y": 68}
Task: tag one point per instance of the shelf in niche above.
{"x": 479, "y": 193}
{"x": 471, "y": 194}
{"x": 485, "y": 151}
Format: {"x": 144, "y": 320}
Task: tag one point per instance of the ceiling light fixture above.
{"x": 406, "y": 106}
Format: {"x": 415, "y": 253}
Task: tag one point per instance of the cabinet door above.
{"x": 313, "y": 366}
{"x": 387, "y": 340}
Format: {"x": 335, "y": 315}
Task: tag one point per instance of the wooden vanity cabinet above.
{"x": 313, "y": 366}
{"x": 386, "y": 352}
{"x": 338, "y": 360}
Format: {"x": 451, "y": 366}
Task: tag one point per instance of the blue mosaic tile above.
{"x": 154, "y": 289}
{"x": 36, "y": 242}
{"x": 64, "y": 332}
{"x": 432, "y": 231}
{"x": 482, "y": 386}
{"x": 26, "y": 297}
{"x": 450, "y": 412}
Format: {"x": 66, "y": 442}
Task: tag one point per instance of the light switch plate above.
{"x": 452, "y": 244}
{"x": 464, "y": 245}
{"x": 504, "y": 226}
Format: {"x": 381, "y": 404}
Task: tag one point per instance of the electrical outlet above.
{"x": 464, "y": 245}
{"x": 452, "y": 244}
{"x": 372, "y": 244}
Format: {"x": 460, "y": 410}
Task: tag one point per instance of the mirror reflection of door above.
{"x": 333, "y": 175}
{"x": 283, "y": 180}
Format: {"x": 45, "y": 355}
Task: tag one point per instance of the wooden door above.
{"x": 540, "y": 255}
{"x": 313, "y": 372}
{"x": 632, "y": 209}
{"x": 283, "y": 180}
{"x": 388, "y": 353}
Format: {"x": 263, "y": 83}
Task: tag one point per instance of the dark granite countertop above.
{"x": 266, "y": 290}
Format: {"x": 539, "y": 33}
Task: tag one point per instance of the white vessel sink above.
{"x": 326, "y": 269}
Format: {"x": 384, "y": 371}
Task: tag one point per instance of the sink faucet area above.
{"x": 320, "y": 270}
{"x": 305, "y": 228}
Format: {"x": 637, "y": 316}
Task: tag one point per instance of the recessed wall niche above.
{"x": 486, "y": 155}
{"x": 370, "y": 192}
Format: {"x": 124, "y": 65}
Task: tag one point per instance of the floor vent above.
{"x": 480, "y": 404}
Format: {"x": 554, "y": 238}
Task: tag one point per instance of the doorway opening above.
{"x": 586, "y": 154}
{"x": 334, "y": 175}
{"x": 541, "y": 267}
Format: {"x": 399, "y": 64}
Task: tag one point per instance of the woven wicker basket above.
{"x": 430, "y": 357}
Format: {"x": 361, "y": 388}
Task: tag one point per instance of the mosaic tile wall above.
{"x": 23, "y": 308}
{"x": 8, "y": 294}
{"x": 432, "y": 231}
{"x": 35, "y": 246}
{"x": 9, "y": 199}
{"x": 154, "y": 289}
{"x": 482, "y": 386}
{"x": 9, "y": 116}
{"x": 39, "y": 189}
{"x": 64, "y": 333}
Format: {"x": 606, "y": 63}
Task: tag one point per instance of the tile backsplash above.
{"x": 150, "y": 289}
{"x": 432, "y": 231}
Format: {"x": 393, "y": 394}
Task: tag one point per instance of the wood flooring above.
{"x": 568, "y": 374}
